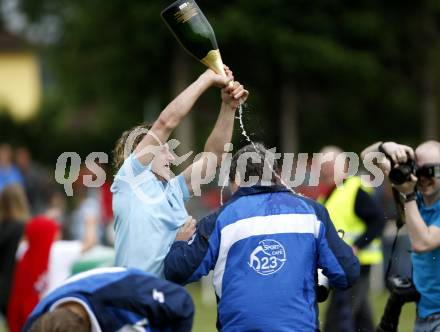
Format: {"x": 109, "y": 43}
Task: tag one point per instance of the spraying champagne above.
{"x": 195, "y": 34}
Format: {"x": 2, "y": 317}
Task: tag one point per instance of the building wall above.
{"x": 20, "y": 84}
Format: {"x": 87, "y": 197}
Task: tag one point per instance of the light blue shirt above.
{"x": 426, "y": 266}
{"x": 148, "y": 213}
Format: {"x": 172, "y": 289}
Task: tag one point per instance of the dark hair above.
{"x": 253, "y": 167}
{"x": 118, "y": 152}
{"x": 60, "y": 320}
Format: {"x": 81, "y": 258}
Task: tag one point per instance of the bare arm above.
{"x": 423, "y": 238}
{"x": 89, "y": 240}
{"x": 220, "y": 135}
{"x": 399, "y": 153}
{"x": 173, "y": 114}
{"x": 372, "y": 148}
{"x": 222, "y": 132}
{"x": 232, "y": 97}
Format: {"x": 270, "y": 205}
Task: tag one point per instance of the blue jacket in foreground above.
{"x": 123, "y": 299}
{"x": 264, "y": 247}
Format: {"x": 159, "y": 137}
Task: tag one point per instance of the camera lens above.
{"x": 428, "y": 171}
{"x": 400, "y": 174}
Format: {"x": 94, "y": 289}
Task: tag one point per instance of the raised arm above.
{"x": 232, "y": 97}
{"x": 423, "y": 237}
{"x": 221, "y": 134}
{"x": 90, "y": 230}
{"x": 372, "y": 148}
{"x": 398, "y": 153}
{"x": 173, "y": 114}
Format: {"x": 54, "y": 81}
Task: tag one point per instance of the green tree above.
{"x": 319, "y": 72}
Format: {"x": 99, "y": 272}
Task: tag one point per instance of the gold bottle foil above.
{"x": 213, "y": 60}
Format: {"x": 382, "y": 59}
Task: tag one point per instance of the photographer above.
{"x": 421, "y": 171}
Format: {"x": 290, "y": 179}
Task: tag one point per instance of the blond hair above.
{"x": 118, "y": 152}
{"x": 14, "y": 205}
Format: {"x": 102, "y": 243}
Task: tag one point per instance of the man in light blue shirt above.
{"x": 148, "y": 203}
{"x": 426, "y": 265}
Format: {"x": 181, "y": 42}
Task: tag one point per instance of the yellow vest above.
{"x": 341, "y": 207}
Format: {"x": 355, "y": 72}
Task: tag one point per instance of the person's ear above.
{"x": 233, "y": 187}
{"x": 237, "y": 180}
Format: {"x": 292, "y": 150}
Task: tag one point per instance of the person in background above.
{"x": 47, "y": 261}
{"x": 64, "y": 253}
{"x": 14, "y": 212}
{"x": 56, "y": 207}
{"x": 87, "y": 209}
{"x": 420, "y": 195}
{"x": 9, "y": 173}
{"x": 35, "y": 179}
{"x": 30, "y": 276}
{"x": 114, "y": 299}
{"x": 106, "y": 212}
{"x": 354, "y": 211}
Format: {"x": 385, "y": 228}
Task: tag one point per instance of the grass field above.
{"x": 206, "y": 314}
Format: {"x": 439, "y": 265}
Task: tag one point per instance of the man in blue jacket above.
{"x": 264, "y": 246}
{"x": 113, "y": 299}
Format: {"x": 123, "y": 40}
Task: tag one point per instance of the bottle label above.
{"x": 186, "y": 11}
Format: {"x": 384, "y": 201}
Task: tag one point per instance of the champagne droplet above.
{"x": 246, "y": 136}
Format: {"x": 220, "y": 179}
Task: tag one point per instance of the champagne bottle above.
{"x": 323, "y": 288}
{"x": 191, "y": 28}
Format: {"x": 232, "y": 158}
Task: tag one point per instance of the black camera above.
{"x": 402, "y": 172}
{"x": 428, "y": 171}
{"x": 402, "y": 291}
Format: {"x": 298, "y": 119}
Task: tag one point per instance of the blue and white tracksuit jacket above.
{"x": 264, "y": 247}
{"x": 120, "y": 299}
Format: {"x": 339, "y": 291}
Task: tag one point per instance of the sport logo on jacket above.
{"x": 268, "y": 257}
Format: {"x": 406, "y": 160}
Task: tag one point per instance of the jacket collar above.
{"x": 257, "y": 189}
